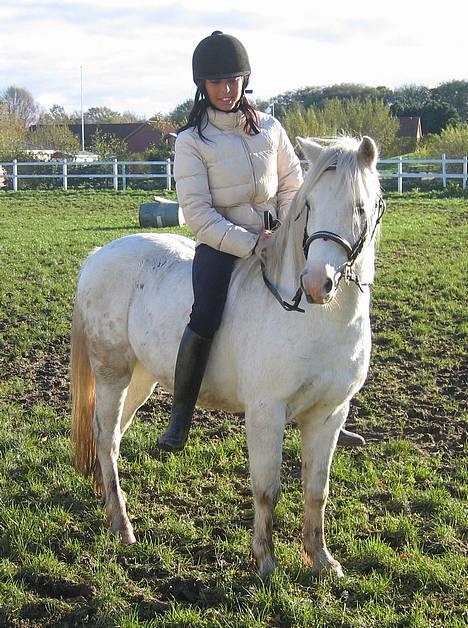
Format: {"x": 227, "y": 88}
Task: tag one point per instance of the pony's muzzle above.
{"x": 319, "y": 291}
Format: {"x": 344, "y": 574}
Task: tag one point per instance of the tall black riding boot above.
{"x": 190, "y": 368}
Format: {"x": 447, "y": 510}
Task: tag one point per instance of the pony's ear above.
{"x": 310, "y": 149}
{"x": 368, "y": 153}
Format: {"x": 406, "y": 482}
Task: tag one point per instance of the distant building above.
{"x": 410, "y": 127}
{"x": 138, "y": 135}
{"x": 50, "y": 154}
{"x": 46, "y": 154}
{"x": 85, "y": 156}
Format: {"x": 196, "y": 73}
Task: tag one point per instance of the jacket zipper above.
{"x": 249, "y": 157}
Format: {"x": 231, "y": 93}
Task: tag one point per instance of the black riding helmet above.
{"x": 219, "y": 56}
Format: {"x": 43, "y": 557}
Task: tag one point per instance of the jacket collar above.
{"x": 225, "y": 120}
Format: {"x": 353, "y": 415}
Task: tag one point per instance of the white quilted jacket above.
{"x": 224, "y": 184}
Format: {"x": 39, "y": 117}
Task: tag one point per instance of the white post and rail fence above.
{"x": 121, "y": 173}
{"x": 118, "y": 172}
{"x": 417, "y": 169}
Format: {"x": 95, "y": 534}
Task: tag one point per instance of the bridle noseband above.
{"x": 352, "y": 251}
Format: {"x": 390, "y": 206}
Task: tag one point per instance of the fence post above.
{"x": 444, "y": 171}
{"x": 15, "y": 175}
{"x": 65, "y": 174}
{"x": 115, "y": 174}
{"x": 124, "y": 177}
{"x": 400, "y": 174}
{"x": 465, "y": 171}
{"x": 168, "y": 174}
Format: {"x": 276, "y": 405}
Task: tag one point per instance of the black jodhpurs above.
{"x": 211, "y": 274}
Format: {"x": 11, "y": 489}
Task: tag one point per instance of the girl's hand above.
{"x": 264, "y": 241}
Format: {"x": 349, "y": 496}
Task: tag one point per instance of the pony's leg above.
{"x": 318, "y": 445}
{"x": 110, "y": 396}
{"x": 141, "y": 387}
{"x": 265, "y": 432}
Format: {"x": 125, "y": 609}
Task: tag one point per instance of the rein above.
{"x": 345, "y": 271}
{"x": 271, "y": 224}
{"x": 289, "y": 307}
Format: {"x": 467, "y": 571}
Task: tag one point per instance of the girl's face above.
{"x": 224, "y": 94}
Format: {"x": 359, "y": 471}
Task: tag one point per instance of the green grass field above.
{"x": 396, "y": 517}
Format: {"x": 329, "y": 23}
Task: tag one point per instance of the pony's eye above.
{"x": 360, "y": 209}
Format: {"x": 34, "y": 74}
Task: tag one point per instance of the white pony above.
{"x": 133, "y": 300}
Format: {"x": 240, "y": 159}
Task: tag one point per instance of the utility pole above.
{"x": 82, "y": 114}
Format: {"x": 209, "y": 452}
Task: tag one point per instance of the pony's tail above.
{"x": 83, "y": 397}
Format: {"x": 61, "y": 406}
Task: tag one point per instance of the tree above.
{"x": 129, "y": 116}
{"x": 158, "y": 152}
{"x": 107, "y": 145}
{"x": 55, "y": 115}
{"x": 54, "y": 136}
{"x": 179, "y": 115}
{"x": 356, "y": 91}
{"x": 308, "y": 97}
{"x": 352, "y": 116}
{"x": 306, "y": 122}
{"x": 316, "y": 96}
{"x": 410, "y": 96}
{"x": 96, "y": 115}
{"x": 453, "y": 141}
{"x": 20, "y": 105}
{"x": 435, "y": 115}
{"x": 12, "y": 139}
{"x": 454, "y": 93}
{"x": 101, "y": 115}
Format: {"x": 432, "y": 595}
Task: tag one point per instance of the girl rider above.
{"x": 231, "y": 164}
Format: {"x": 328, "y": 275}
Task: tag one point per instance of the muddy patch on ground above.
{"x": 379, "y": 412}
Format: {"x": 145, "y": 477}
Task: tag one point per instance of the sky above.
{"x": 135, "y": 55}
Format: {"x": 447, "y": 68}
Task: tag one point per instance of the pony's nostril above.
{"x": 328, "y": 286}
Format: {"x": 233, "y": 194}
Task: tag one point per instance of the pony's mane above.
{"x": 340, "y": 152}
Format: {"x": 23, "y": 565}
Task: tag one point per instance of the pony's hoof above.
{"x": 322, "y": 564}
{"x": 335, "y": 568}
{"x": 125, "y": 530}
{"x": 338, "y": 571}
{"x": 128, "y": 538}
{"x": 267, "y": 568}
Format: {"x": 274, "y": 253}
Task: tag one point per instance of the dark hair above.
{"x": 198, "y": 118}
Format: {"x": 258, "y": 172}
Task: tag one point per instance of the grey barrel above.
{"x": 161, "y": 213}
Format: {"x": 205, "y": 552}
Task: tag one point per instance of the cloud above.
{"x": 105, "y": 16}
{"x": 138, "y": 55}
{"x": 346, "y": 30}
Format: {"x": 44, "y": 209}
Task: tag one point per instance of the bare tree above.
{"x": 19, "y": 105}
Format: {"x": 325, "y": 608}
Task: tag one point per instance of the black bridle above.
{"x": 352, "y": 251}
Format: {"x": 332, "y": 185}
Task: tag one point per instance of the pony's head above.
{"x": 338, "y": 208}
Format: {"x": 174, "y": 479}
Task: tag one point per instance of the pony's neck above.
{"x": 289, "y": 271}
